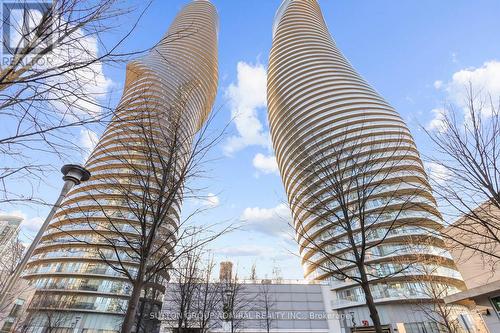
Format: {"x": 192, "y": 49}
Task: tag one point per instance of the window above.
{"x": 18, "y": 304}
{"x": 421, "y": 327}
{"x": 7, "y": 325}
{"x": 496, "y": 304}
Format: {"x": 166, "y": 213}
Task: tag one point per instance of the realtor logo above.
{"x": 26, "y": 27}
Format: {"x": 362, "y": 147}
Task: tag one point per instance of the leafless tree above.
{"x": 209, "y": 298}
{"x": 11, "y": 254}
{"x": 235, "y": 301}
{"x": 193, "y": 299}
{"x": 253, "y": 272}
{"x": 358, "y": 189}
{"x": 46, "y": 316}
{"x": 12, "y": 305}
{"x": 276, "y": 272}
{"x": 467, "y": 180}
{"x": 137, "y": 229}
{"x": 433, "y": 289}
{"x": 52, "y": 83}
{"x": 183, "y": 291}
{"x": 267, "y": 305}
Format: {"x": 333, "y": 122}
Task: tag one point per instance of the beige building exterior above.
{"x": 13, "y": 312}
{"x": 323, "y": 113}
{"x": 481, "y": 272}
{"x": 175, "y": 83}
{"x": 9, "y": 227}
{"x": 11, "y": 305}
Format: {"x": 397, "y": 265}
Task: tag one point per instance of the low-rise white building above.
{"x": 291, "y": 306}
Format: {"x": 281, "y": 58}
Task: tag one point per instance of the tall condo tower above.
{"x": 173, "y": 85}
{"x": 325, "y": 117}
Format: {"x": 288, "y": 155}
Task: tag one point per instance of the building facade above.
{"x": 195, "y": 302}
{"x": 291, "y": 306}
{"x": 9, "y": 226}
{"x": 332, "y": 133}
{"x": 10, "y": 253}
{"x": 167, "y": 97}
{"x": 478, "y": 263}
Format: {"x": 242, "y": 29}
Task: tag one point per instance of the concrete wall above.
{"x": 493, "y": 319}
{"x": 476, "y": 268}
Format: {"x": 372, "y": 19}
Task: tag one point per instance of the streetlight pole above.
{"x": 73, "y": 174}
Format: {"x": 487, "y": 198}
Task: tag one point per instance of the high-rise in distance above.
{"x": 9, "y": 225}
{"x": 174, "y": 84}
{"x": 322, "y": 113}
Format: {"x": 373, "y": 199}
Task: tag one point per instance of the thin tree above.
{"x": 276, "y": 272}
{"x": 48, "y": 318}
{"x": 267, "y": 305}
{"x": 181, "y": 296}
{"x": 253, "y": 272}
{"x": 235, "y": 301}
{"x": 209, "y": 298}
{"x": 432, "y": 290}
{"x": 136, "y": 225}
{"x": 52, "y": 83}
{"x": 357, "y": 191}
{"x": 192, "y": 299}
{"x": 468, "y": 182}
{"x": 11, "y": 255}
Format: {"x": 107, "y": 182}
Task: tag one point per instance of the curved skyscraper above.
{"x": 332, "y": 133}
{"x": 168, "y": 96}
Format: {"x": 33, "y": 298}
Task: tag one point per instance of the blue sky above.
{"x": 416, "y": 53}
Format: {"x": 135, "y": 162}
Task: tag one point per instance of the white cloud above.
{"x": 268, "y": 253}
{"x": 88, "y": 141}
{"x": 246, "y": 250}
{"x": 270, "y": 221}
{"x": 212, "y": 200}
{"x": 484, "y": 80}
{"x": 438, "y": 84}
{"x": 209, "y": 200}
{"x": 30, "y": 225}
{"x": 246, "y": 97}
{"x": 265, "y": 164}
{"x": 438, "y": 120}
{"x": 437, "y": 173}
{"x": 78, "y": 79}
{"x": 80, "y": 89}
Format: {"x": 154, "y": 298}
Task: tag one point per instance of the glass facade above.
{"x": 394, "y": 290}
{"x": 325, "y": 117}
{"x": 71, "y": 267}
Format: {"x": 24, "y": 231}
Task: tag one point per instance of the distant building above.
{"x": 249, "y": 306}
{"x": 226, "y": 271}
{"x": 283, "y": 306}
{"x": 12, "y": 308}
{"x": 13, "y": 315}
{"x": 9, "y": 226}
{"x": 480, "y": 271}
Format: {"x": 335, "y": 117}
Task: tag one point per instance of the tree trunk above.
{"x": 140, "y": 315}
{"x": 445, "y": 316}
{"x": 371, "y": 304}
{"x": 268, "y": 320}
{"x": 128, "y": 321}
